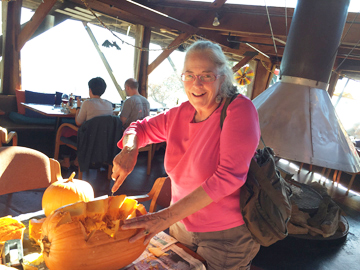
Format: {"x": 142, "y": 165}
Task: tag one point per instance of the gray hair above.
{"x": 216, "y": 55}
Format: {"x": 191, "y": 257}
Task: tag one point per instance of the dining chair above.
{"x": 97, "y": 143}
{"x": 23, "y": 168}
{"x": 7, "y": 137}
{"x": 61, "y": 140}
{"x": 159, "y": 195}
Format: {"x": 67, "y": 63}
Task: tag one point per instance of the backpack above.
{"x": 265, "y": 196}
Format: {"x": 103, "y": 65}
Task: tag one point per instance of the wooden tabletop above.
{"x": 48, "y": 110}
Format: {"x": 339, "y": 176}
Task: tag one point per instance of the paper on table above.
{"x": 174, "y": 257}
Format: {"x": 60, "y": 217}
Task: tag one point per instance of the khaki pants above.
{"x": 228, "y": 249}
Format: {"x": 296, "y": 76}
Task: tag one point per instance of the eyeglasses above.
{"x": 204, "y": 78}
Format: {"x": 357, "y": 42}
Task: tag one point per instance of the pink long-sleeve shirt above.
{"x": 201, "y": 154}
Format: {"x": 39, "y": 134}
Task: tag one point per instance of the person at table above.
{"x": 207, "y": 165}
{"x": 136, "y": 107}
{"x": 90, "y": 108}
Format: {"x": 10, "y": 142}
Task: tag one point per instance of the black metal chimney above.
{"x": 314, "y": 36}
{"x": 297, "y": 118}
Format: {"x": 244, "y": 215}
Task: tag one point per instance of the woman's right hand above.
{"x": 125, "y": 161}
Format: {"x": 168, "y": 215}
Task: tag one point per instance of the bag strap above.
{"x": 254, "y": 168}
{"x": 228, "y": 100}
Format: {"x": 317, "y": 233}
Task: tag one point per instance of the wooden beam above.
{"x": 243, "y": 62}
{"x": 217, "y": 3}
{"x": 244, "y": 51}
{"x": 49, "y": 22}
{"x": 31, "y": 26}
{"x": 151, "y": 14}
{"x": 124, "y": 10}
{"x": 173, "y": 46}
{"x": 11, "y": 69}
{"x": 105, "y": 62}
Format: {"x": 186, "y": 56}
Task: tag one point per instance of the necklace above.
{"x": 194, "y": 121}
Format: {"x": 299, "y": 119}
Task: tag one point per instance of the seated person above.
{"x": 95, "y": 106}
{"x": 136, "y": 107}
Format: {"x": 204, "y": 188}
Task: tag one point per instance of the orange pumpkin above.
{"x": 66, "y": 192}
{"x": 88, "y": 235}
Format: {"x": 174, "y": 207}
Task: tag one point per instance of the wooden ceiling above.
{"x": 244, "y": 30}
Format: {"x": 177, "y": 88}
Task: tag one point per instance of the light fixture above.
{"x": 216, "y": 20}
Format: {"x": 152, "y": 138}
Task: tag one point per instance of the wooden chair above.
{"x": 63, "y": 140}
{"x": 23, "y": 168}
{"x": 66, "y": 141}
{"x": 7, "y": 137}
{"x": 60, "y": 140}
{"x": 160, "y": 194}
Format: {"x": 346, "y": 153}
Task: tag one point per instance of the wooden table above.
{"x": 50, "y": 111}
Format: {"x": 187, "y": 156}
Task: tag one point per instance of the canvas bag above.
{"x": 265, "y": 196}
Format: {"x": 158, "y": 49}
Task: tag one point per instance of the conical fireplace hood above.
{"x": 297, "y": 118}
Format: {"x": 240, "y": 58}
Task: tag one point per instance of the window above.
{"x": 64, "y": 59}
{"x": 164, "y": 83}
{"x": 346, "y": 100}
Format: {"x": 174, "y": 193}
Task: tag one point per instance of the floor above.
{"x": 288, "y": 254}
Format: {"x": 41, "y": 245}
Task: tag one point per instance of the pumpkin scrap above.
{"x": 87, "y": 235}
{"x": 35, "y": 229}
{"x": 33, "y": 261}
{"x": 11, "y": 228}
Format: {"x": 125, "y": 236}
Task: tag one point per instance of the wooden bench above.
{"x": 7, "y": 105}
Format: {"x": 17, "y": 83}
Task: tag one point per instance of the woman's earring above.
{"x": 218, "y": 99}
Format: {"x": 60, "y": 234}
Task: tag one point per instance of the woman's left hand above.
{"x": 151, "y": 224}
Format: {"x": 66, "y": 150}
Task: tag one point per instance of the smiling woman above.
{"x": 200, "y": 160}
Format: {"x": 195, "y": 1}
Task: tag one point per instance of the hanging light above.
{"x": 216, "y": 20}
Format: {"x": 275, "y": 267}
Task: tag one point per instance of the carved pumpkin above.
{"x": 88, "y": 235}
{"x": 66, "y": 192}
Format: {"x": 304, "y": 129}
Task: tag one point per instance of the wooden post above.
{"x": 262, "y": 78}
{"x": 11, "y": 69}
{"x": 144, "y": 61}
{"x": 139, "y": 35}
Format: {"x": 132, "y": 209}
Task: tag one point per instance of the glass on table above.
{"x": 64, "y": 103}
{"x": 65, "y": 98}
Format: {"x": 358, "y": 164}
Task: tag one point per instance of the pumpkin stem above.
{"x": 71, "y": 176}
